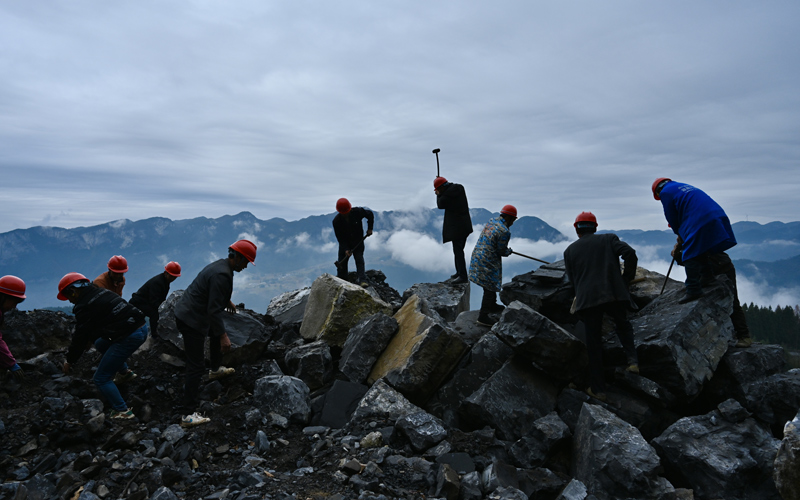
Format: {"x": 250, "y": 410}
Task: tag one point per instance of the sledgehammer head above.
{"x": 436, "y": 151}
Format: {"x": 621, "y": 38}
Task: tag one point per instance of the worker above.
{"x": 155, "y": 290}
{"x": 592, "y": 267}
{"x": 452, "y": 198}
{"x": 114, "y": 278}
{"x": 115, "y": 327}
{"x": 486, "y": 266}
{"x": 199, "y": 314}
{"x": 12, "y": 292}
{"x": 349, "y": 230}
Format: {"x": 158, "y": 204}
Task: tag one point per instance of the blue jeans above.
{"x": 113, "y": 361}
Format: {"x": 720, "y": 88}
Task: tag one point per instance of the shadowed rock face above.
{"x": 787, "y": 461}
{"x": 447, "y": 300}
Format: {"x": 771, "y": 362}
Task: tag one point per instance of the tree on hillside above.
{"x": 781, "y": 326}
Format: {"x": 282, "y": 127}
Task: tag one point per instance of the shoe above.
{"x": 460, "y": 280}
{"x": 121, "y": 378}
{"x": 633, "y": 368}
{"x": 485, "y": 320}
{"x": 690, "y": 298}
{"x": 123, "y": 415}
{"x": 194, "y": 419}
{"x": 745, "y": 342}
{"x": 364, "y": 284}
{"x": 600, "y": 395}
{"x": 220, "y": 372}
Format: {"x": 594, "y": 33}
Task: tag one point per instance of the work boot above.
{"x": 690, "y": 298}
{"x": 485, "y": 320}
{"x": 220, "y": 372}
{"x": 121, "y": 378}
{"x": 460, "y": 280}
{"x": 633, "y": 368}
{"x": 599, "y": 395}
{"x": 744, "y": 342}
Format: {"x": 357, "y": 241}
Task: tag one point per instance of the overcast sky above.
{"x": 112, "y": 110}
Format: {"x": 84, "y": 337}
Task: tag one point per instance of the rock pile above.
{"x": 345, "y": 393}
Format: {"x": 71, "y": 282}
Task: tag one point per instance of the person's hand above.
{"x": 65, "y": 368}
{"x": 224, "y": 343}
{"x": 18, "y": 374}
{"x": 231, "y": 307}
{"x": 675, "y": 250}
{"x": 348, "y": 253}
{"x": 369, "y": 233}
{"x": 680, "y": 240}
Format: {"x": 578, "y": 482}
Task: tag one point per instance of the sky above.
{"x": 181, "y": 109}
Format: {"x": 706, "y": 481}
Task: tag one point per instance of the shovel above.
{"x": 529, "y": 257}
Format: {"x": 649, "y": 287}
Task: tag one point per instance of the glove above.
{"x": 16, "y": 372}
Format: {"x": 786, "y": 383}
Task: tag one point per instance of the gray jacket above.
{"x": 202, "y": 304}
{"x": 592, "y": 265}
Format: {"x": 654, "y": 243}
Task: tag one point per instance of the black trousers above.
{"x": 458, "y": 253}
{"x": 488, "y": 301}
{"x": 193, "y": 347}
{"x": 358, "y": 256}
{"x": 593, "y": 320}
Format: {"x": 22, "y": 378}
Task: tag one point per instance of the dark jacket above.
{"x": 349, "y": 230}
{"x": 592, "y": 265}
{"x": 101, "y": 313}
{"x": 203, "y": 303}
{"x": 149, "y": 297}
{"x": 453, "y": 200}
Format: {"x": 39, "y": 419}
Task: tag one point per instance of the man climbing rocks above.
{"x": 12, "y": 292}
{"x": 457, "y": 224}
{"x": 114, "y": 278}
{"x": 155, "y": 290}
{"x": 592, "y": 266}
{"x": 486, "y": 266}
{"x": 199, "y": 313}
{"x": 349, "y": 231}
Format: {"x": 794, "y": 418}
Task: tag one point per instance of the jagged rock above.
{"x": 680, "y": 345}
{"x": 365, "y": 343}
{"x": 262, "y": 442}
{"x": 447, "y": 483}
{"x": 774, "y": 399}
{"x": 334, "y": 307}
{"x": 499, "y": 474}
{"x": 312, "y": 363}
{"x": 163, "y": 493}
{"x": 447, "y": 300}
{"x": 646, "y": 286}
{"x": 549, "y": 347}
{"x": 31, "y": 333}
{"x": 173, "y": 433}
{"x": 540, "y": 483}
{"x": 509, "y": 400}
{"x": 422, "y": 430}
{"x": 741, "y": 366}
{"x": 420, "y": 355}
{"x": 787, "y": 463}
{"x": 507, "y": 493}
{"x": 466, "y": 325}
{"x": 381, "y": 402}
{"x": 545, "y": 435}
{"x": 339, "y": 404}
{"x": 40, "y": 488}
{"x": 544, "y": 290}
{"x": 575, "y": 490}
{"x": 287, "y": 396}
{"x": 289, "y": 307}
{"x": 719, "y": 458}
{"x": 612, "y": 458}
{"x": 461, "y": 462}
{"x": 487, "y": 356}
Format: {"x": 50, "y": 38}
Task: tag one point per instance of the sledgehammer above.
{"x": 339, "y": 262}
{"x": 529, "y": 257}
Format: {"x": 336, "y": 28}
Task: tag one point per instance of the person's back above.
{"x": 592, "y": 264}
{"x": 206, "y": 297}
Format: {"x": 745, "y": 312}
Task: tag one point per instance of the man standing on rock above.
{"x": 592, "y": 266}
{"x": 150, "y": 296}
{"x": 115, "y": 327}
{"x": 114, "y": 278}
{"x": 457, "y": 225}
{"x": 12, "y": 292}
{"x": 349, "y": 231}
{"x": 486, "y": 266}
{"x": 199, "y": 313}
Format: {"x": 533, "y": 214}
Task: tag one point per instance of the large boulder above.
{"x": 312, "y": 363}
{"x": 365, "y": 343}
{"x": 334, "y": 307}
{"x": 612, "y": 458}
{"x": 289, "y": 307}
{"x": 723, "y": 454}
{"x": 546, "y": 435}
{"x": 339, "y": 403}
{"x": 382, "y": 402}
{"x": 545, "y": 290}
{"x": 287, "y": 396}
{"x": 774, "y": 399}
{"x": 787, "y": 463}
{"x": 447, "y": 300}
{"x": 741, "y": 367}
{"x": 549, "y": 347}
{"x": 421, "y": 354}
{"x": 680, "y": 345}
{"x": 30, "y": 333}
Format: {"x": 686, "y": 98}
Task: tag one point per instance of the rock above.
{"x": 95, "y": 425}
{"x": 774, "y": 399}
{"x": 787, "y": 463}
{"x": 365, "y": 343}
{"x": 544, "y": 290}
{"x": 339, "y": 403}
{"x": 680, "y": 345}
{"x": 287, "y": 396}
{"x": 372, "y": 440}
{"x": 540, "y": 483}
{"x": 312, "y": 363}
{"x": 471, "y": 487}
{"x": 173, "y": 433}
{"x": 420, "y": 355}
{"x": 422, "y": 429}
{"x": 509, "y": 400}
{"x": 487, "y": 356}
{"x": 289, "y": 307}
{"x": 381, "y": 402}
{"x": 575, "y": 490}
{"x": 163, "y": 493}
{"x": 507, "y": 493}
{"x": 549, "y": 347}
{"x": 612, "y": 458}
{"x": 741, "y": 366}
{"x": 499, "y": 474}
{"x": 718, "y": 458}
{"x": 334, "y": 307}
{"x": 31, "y": 333}
{"x": 533, "y": 449}
{"x": 466, "y": 325}
{"x": 40, "y": 488}
{"x": 461, "y": 462}
{"x": 447, "y": 300}
{"x": 647, "y": 285}
{"x": 447, "y": 483}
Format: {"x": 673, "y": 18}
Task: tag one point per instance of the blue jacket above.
{"x": 485, "y": 266}
{"x": 697, "y": 219}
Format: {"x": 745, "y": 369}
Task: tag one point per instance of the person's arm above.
{"x": 628, "y": 254}
{"x": 502, "y": 244}
{"x": 220, "y": 289}
{"x": 7, "y": 360}
{"x": 370, "y": 220}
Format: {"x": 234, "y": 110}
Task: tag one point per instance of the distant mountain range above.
{"x": 291, "y": 254}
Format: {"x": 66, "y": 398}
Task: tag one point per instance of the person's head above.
{"x": 509, "y": 214}
{"x": 72, "y": 286}
{"x": 117, "y": 267}
{"x": 241, "y": 253}
{"x": 438, "y": 183}
{"x": 12, "y": 292}
{"x": 172, "y": 271}
{"x": 658, "y": 185}
{"x": 585, "y": 223}
{"x": 343, "y": 206}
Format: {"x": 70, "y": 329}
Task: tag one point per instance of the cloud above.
{"x": 418, "y": 250}
{"x": 251, "y": 237}
{"x": 763, "y": 295}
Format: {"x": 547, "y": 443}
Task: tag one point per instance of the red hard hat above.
{"x": 66, "y": 281}
{"x": 437, "y": 182}
{"x": 246, "y": 248}
{"x": 13, "y": 286}
{"x": 655, "y": 185}
{"x": 118, "y": 264}
{"x": 343, "y": 206}
{"x": 509, "y": 210}
{"x": 585, "y": 217}
{"x": 173, "y": 268}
